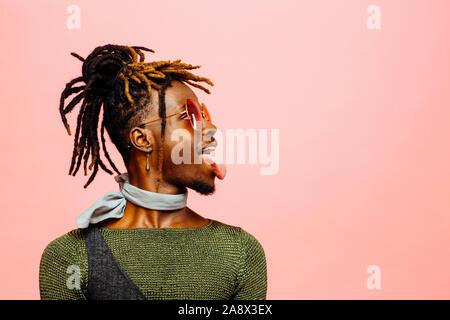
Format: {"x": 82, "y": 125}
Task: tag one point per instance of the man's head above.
{"x": 179, "y": 150}
{"x": 141, "y": 104}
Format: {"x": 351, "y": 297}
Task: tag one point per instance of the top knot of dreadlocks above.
{"x": 100, "y": 70}
{"x": 116, "y": 79}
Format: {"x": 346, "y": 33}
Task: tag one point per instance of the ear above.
{"x": 142, "y": 139}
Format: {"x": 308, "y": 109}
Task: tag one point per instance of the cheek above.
{"x": 174, "y": 152}
{"x": 179, "y": 147}
{"x": 177, "y": 141}
{"x": 184, "y": 171}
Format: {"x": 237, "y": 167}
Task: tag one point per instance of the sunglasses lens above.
{"x": 193, "y": 111}
{"x": 206, "y": 112}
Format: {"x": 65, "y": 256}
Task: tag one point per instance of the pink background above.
{"x": 363, "y": 115}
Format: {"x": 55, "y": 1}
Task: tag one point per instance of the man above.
{"x": 144, "y": 242}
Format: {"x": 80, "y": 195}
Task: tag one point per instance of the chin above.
{"x": 202, "y": 187}
{"x": 198, "y": 178}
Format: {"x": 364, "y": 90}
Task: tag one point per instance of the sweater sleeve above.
{"x": 252, "y": 278}
{"x": 61, "y": 271}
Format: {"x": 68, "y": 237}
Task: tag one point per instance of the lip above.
{"x": 211, "y": 145}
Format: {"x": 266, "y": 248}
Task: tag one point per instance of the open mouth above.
{"x": 210, "y": 148}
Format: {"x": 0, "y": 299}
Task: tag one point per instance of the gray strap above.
{"x": 106, "y": 279}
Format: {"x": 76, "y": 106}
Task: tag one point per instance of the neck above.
{"x": 139, "y": 217}
{"x": 149, "y": 180}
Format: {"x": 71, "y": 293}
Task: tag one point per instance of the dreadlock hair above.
{"x": 113, "y": 77}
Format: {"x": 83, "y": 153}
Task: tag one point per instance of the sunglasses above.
{"x": 190, "y": 111}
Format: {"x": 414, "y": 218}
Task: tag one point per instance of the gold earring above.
{"x": 148, "y": 162}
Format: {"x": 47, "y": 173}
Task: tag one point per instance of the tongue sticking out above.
{"x": 220, "y": 170}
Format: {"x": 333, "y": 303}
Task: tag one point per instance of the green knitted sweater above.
{"x": 213, "y": 262}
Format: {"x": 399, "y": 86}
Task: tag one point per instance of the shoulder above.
{"x": 251, "y": 277}
{"x": 63, "y": 267}
{"x": 66, "y": 247}
{"x": 226, "y": 231}
{"x": 247, "y": 241}
{"x": 252, "y": 248}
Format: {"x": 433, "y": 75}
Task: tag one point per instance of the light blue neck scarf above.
{"x": 112, "y": 204}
